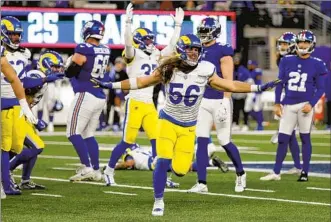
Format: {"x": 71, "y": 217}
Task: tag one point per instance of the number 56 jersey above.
{"x": 300, "y": 77}
{"x": 184, "y": 94}
{"x": 142, "y": 65}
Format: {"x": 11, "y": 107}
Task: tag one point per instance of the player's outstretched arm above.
{"x": 18, "y": 89}
{"x": 237, "y": 86}
{"x": 129, "y": 50}
{"x": 131, "y": 83}
{"x": 178, "y": 18}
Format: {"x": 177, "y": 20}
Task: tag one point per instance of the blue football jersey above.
{"x": 303, "y": 79}
{"x": 256, "y": 75}
{"x": 213, "y": 54}
{"x": 241, "y": 74}
{"x": 94, "y": 67}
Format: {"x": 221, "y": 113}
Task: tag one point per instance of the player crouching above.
{"x": 35, "y": 85}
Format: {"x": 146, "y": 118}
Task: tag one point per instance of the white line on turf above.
{"x": 121, "y": 193}
{"x": 318, "y": 188}
{"x": 46, "y": 195}
{"x": 64, "y": 168}
{"x": 259, "y": 190}
{"x": 185, "y": 191}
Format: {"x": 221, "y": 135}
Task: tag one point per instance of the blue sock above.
{"x": 102, "y": 118}
{"x": 202, "y": 159}
{"x": 283, "y": 141}
{"x": 28, "y": 166}
{"x": 5, "y": 170}
{"x": 51, "y": 117}
{"x": 194, "y": 166}
{"x": 93, "y": 151}
{"x": 160, "y": 176}
{"x": 40, "y": 114}
{"x": 295, "y": 150}
{"x": 259, "y": 118}
{"x": 306, "y": 151}
{"x": 118, "y": 152}
{"x": 153, "y": 143}
{"x": 253, "y": 115}
{"x": 233, "y": 153}
{"x": 81, "y": 149}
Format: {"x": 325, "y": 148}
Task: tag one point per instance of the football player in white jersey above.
{"x": 142, "y": 58}
{"x": 50, "y": 69}
{"x": 185, "y": 78}
{"x": 12, "y": 122}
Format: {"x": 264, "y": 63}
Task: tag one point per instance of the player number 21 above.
{"x": 297, "y": 82}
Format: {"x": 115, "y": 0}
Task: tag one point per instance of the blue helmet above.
{"x": 185, "y": 42}
{"x": 208, "y": 30}
{"x": 48, "y": 60}
{"x": 290, "y": 39}
{"x": 306, "y": 36}
{"x": 93, "y": 29}
{"x": 9, "y": 26}
{"x": 143, "y": 39}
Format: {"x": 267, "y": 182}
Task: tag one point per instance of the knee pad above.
{"x": 223, "y": 141}
{"x": 178, "y": 169}
{"x": 283, "y": 138}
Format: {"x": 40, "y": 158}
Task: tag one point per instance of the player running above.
{"x": 216, "y": 107}
{"x": 50, "y": 69}
{"x": 90, "y": 60}
{"x": 12, "y": 102}
{"x": 286, "y": 46}
{"x": 142, "y": 58}
{"x": 303, "y": 79}
{"x": 185, "y": 78}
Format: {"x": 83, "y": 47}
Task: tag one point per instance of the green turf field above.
{"x": 285, "y": 200}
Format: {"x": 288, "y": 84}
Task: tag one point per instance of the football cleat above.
{"x": 245, "y": 128}
{"x": 171, "y": 184}
{"x": 3, "y": 194}
{"x": 83, "y": 173}
{"x": 30, "y": 185}
{"x": 303, "y": 177}
{"x": 158, "y": 208}
{"x": 271, "y": 176}
{"x": 240, "y": 183}
{"x": 293, "y": 170}
{"x": 50, "y": 127}
{"x": 12, "y": 191}
{"x": 12, "y": 181}
{"x": 220, "y": 164}
{"x": 108, "y": 175}
{"x": 274, "y": 138}
{"x": 97, "y": 175}
{"x": 198, "y": 188}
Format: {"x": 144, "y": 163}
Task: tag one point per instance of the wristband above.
{"x": 133, "y": 83}
{"x": 254, "y": 88}
{"x": 116, "y": 85}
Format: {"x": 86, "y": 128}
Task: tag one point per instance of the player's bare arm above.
{"x": 227, "y": 70}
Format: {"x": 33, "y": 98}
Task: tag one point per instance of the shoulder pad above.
{"x": 225, "y": 45}
{"x": 25, "y": 52}
{"x": 207, "y": 68}
{"x": 318, "y": 59}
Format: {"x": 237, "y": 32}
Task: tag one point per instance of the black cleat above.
{"x": 220, "y": 164}
{"x": 31, "y": 186}
{"x": 303, "y": 177}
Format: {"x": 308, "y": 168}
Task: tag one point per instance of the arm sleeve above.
{"x": 169, "y": 49}
{"x": 279, "y": 87}
{"x": 129, "y": 50}
{"x": 320, "y": 84}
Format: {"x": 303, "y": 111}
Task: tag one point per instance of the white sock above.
{"x": 211, "y": 162}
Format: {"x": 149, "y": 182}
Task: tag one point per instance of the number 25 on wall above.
{"x": 42, "y": 27}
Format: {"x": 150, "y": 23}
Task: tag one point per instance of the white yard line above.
{"x": 46, "y": 195}
{"x": 259, "y": 190}
{"x": 121, "y": 193}
{"x": 64, "y": 168}
{"x": 318, "y": 188}
{"x": 184, "y": 191}
{"x": 268, "y": 142}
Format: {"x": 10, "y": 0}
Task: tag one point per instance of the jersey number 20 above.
{"x": 176, "y": 97}
{"x": 297, "y": 82}
{"x": 99, "y": 66}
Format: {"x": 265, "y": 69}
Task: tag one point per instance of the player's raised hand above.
{"x": 101, "y": 84}
{"x": 54, "y": 76}
{"x": 41, "y": 125}
{"x": 179, "y": 16}
{"x": 269, "y": 85}
{"x": 129, "y": 12}
{"x": 278, "y": 109}
{"x": 307, "y": 108}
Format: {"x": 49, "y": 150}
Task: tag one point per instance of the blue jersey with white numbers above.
{"x": 213, "y": 54}
{"x": 94, "y": 67}
{"x": 303, "y": 79}
{"x": 241, "y": 74}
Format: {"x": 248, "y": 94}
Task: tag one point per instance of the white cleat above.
{"x": 245, "y": 128}
{"x": 50, "y": 127}
{"x": 3, "y": 194}
{"x": 235, "y": 127}
{"x": 240, "y": 183}
{"x": 271, "y": 176}
{"x": 171, "y": 184}
{"x": 293, "y": 170}
{"x": 83, "y": 173}
{"x": 158, "y": 208}
{"x": 97, "y": 175}
{"x": 274, "y": 138}
{"x": 108, "y": 175}
{"x": 198, "y": 188}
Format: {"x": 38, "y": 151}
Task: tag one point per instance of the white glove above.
{"x": 26, "y": 111}
{"x": 179, "y": 17}
{"x": 129, "y": 13}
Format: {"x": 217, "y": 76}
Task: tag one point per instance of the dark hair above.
{"x": 167, "y": 67}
